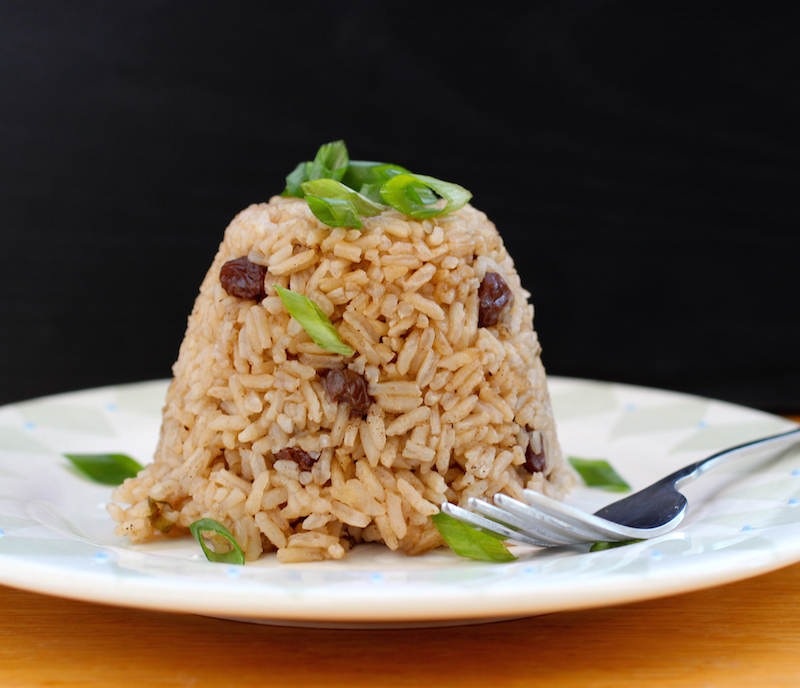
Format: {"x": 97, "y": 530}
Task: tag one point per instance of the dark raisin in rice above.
{"x": 243, "y": 279}
{"x": 534, "y": 462}
{"x": 305, "y": 460}
{"x": 348, "y": 386}
{"x": 493, "y": 295}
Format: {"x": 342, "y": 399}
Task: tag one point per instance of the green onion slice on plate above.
{"x": 470, "y": 542}
{"x": 600, "y": 546}
{"x": 599, "y": 473}
{"x": 107, "y": 469}
{"x": 225, "y": 548}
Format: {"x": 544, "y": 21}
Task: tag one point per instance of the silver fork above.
{"x": 653, "y": 511}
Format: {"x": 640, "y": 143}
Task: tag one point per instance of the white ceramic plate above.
{"x": 56, "y": 537}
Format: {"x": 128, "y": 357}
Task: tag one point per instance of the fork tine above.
{"x": 601, "y": 528}
{"x": 649, "y": 513}
{"x": 545, "y": 525}
{"x": 518, "y": 521}
{"x": 483, "y": 523}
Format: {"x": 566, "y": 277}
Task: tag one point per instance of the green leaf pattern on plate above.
{"x": 747, "y": 525}
{"x": 660, "y": 418}
{"x": 58, "y": 415}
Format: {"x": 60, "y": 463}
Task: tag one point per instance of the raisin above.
{"x": 348, "y": 386}
{"x": 243, "y": 279}
{"x": 303, "y": 459}
{"x": 494, "y": 295}
{"x": 534, "y": 462}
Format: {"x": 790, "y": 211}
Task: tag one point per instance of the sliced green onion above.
{"x": 330, "y": 162}
{"x": 412, "y": 194}
{"x": 335, "y": 212}
{"x": 421, "y": 194}
{"x": 226, "y": 549}
{"x": 470, "y": 542}
{"x": 108, "y": 469}
{"x": 338, "y": 205}
{"x": 372, "y": 192}
{"x": 378, "y": 183}
{"x": 362, "y": 173}
{"x": 599, "y": 473}
{"x": 314, "y": 321}
{"x": 600, "y": 546}
{"x": 158, "y": 518}
{"x": 330, "y": 188}
{"x": 295, "y": 179}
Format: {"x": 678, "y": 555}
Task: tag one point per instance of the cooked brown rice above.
{"x": 454, "y": 406}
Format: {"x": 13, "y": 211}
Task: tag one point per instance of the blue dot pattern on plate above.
{"x": 767, "y": 527}
{"x": 1, "y": 533}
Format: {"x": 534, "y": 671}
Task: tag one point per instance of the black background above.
{"x": 639, "y": 158}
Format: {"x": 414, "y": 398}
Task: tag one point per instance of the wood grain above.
{"x": 742, "y": 634}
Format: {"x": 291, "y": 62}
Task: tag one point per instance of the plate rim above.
{"x": 149, "y": 593}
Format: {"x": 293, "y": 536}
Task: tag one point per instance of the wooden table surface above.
{"x": 742, "y": 634}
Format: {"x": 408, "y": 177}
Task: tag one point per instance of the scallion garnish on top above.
{"x": 338, "y": 205}
{"x": 331, "y": 162}
{"x": 334, "y": 212}
{"x": 418, "y": 195}
{"x": 363, "y": 188}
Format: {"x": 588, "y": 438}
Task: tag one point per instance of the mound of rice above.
{"x": 454, "y": 409}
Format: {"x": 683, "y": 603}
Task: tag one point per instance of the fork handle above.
{"x": 773, "y": 443}
{"x": 665, "y": 503}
